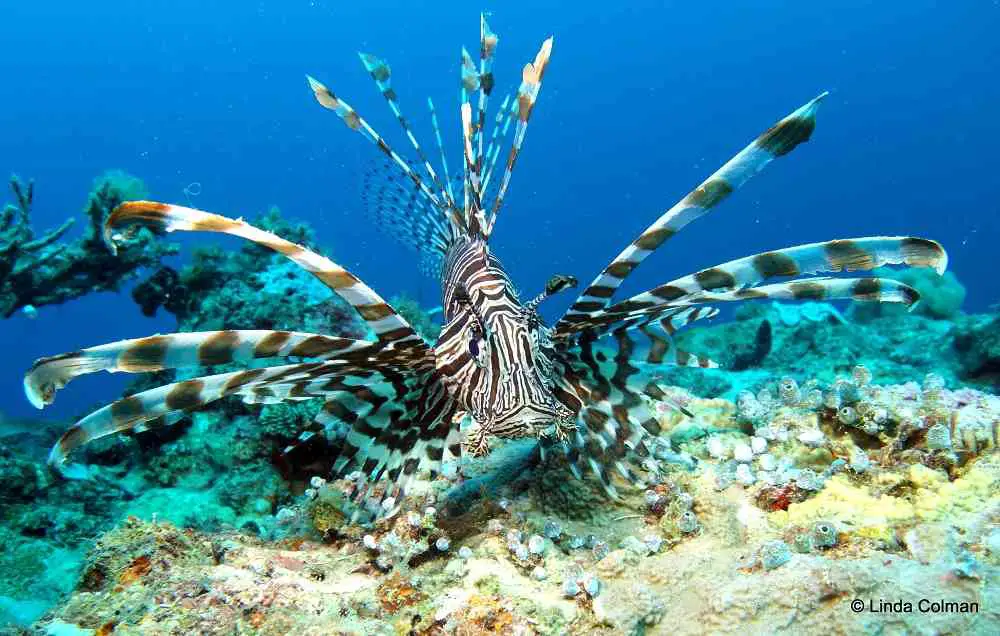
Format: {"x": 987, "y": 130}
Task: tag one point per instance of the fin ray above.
{"x": 777, "y": 141}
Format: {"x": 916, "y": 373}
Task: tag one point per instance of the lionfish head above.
{"x": 501, "y": 360}
{"x": 513, "y": 397}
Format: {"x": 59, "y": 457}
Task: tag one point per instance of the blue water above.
{"x": 640, "y": 104}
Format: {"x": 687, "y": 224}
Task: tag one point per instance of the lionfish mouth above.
{"x": 539, "y": 421}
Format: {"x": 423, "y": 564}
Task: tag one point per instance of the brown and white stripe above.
{"x": 382, "y": 74}
{"x": 179, "y": 350}
{"x": 170, "y": 402}
{"x": 527, "y": 95}
{"x": 387, "y": 324}
{"x": 778, "y": 140}
{"x": 843, "y": 255}
{"x": 354, "y": 121}
{"x": 501, "y": 128}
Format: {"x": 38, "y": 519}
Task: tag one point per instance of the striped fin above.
{"x": 777, "y": 141}
{"x": 399, "y": 428}
{"x": 387, "y": 324}
{"x": 382, "y": 74}
{"x": 527, "y": 94}
{"x": 416, "y": 444}
{"x": 632, "y": 348}
{"x": 440, "y": 143}
{"x": 656, "y": 347}
{"x": 470, "y": 84}
{"x": 174, "y": 351}
{"x": 858, "y": 254}
{"x": 669, "y": 317}
{"x": 883, "y": 290}
{"x": 173, "y": 400}
{"x": 618, "y": 425}
{"x": 256, "y": 386}
{"x": 612, "y": 438}
{"x": 501, "y": 128}
{"x": 474, "y": 211}
{"x": 399, "y": 210}
{"x": 488, "y": 41}
{"x": 328, "y": 100}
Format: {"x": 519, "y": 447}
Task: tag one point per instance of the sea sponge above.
{"x": 936, "y": 498}
{"x": 849, "y": 506}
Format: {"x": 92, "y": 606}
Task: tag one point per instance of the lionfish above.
{"x": 397, "y": 406}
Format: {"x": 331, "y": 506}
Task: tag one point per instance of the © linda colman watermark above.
{"x": 923, "y": 606}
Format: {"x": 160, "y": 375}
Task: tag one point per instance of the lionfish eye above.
{"x": 475, "y": 335}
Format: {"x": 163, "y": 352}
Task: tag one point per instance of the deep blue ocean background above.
{"x": 641, "y": 102}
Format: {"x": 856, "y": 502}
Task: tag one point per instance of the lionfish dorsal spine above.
{"x": 381, "y": 73}
{"x": 527, "y": 95}
{"x": 440, "y": 144}
{"x": 501, "y": 127}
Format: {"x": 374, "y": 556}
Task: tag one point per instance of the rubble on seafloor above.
{"x": 798, "y": 500}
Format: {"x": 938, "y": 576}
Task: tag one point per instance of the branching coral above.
{"x": 36, "y": 271}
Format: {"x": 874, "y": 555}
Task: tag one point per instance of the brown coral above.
{"x": 397, "y": 592}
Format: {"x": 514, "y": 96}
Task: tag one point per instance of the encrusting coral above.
{"x": 37, "y": 271}
{"x": 778, "y": 508}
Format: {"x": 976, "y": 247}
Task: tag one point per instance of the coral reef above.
{"x": 872, "y": 506}
{"x": 941, "y": 295}
{"x": 37, "y": 271}
{"x": 906, "y": 534}
{"x": 977, "y": 343}
{"x": 841, "y": 457}
{"x": 817, "y": 340}
{"x": 418, "y": 317}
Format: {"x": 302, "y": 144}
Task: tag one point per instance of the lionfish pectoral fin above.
{"x": 883, "y": 290}
{"x": 397, "y": 427}
{"x": 740, "y": 277}
{"x": 180, "y": 350}
{"x": 777, "y": 141}
{"x": 668, "y": 318}
{"x": 388, "y": 325}
{"x": 168, "y": 404}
